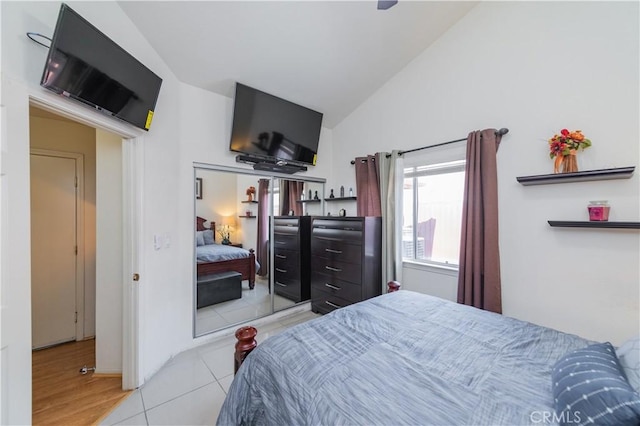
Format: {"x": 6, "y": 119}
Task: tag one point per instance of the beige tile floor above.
{"x": 253, "y": 304}
{"x": 191, "y": 387}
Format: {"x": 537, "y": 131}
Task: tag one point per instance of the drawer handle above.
{"x": 281, "y": 256}
{"x": 322, "y": 227}
{"x": 348, "y": 229}
{"x": 332, "y": 269}
{"x": 280, "y": 284}
{"x": 281, "y": 242}
{"x": 332, "y": 286}
{"x": 284, "y": 271}
{"x": 333, "y": 305}
{"x": 333, "y": 251}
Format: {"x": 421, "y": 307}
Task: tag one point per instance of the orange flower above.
{"x": 577, "y": 135}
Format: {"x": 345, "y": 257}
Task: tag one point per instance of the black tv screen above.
{"x": 86, "y": 65}
{"x": 273, "y": 128}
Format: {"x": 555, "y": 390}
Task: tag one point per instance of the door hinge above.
{"x": 75, "y": 181}
{"x": 76, "y": 321}
{"x": 76, "y": 250}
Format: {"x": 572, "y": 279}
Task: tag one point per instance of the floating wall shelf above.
{"x": 308, "y": 201}
{"x": 247, "y": 217}
{"x": 602, "y": 174}
{"x": 249, "y": 202}
{"x": 594, "y": 224}
{"x": 341, "y": 199}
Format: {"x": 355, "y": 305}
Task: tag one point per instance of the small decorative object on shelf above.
{"x": 310, "y": 194}
{"x": 342, "y": 212}
{"x": 302, "y": 196}
{"x": 598, "y": 211}
{"x": 331, "y": 195}
{"x": 350, "y": 192}
{"x": 248, "y": 213}
{"x": 315, "y": 196}
{"x": 251, "y": 191}
{"x": 564, "y": 147}
{"x": 342, "y": 192}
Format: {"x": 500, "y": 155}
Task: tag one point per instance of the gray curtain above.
{"x": 368, "y": 186}
{"x": 479, "y": 274}
{"x": 391, "y": 181}
{"x": 262, "y": 250}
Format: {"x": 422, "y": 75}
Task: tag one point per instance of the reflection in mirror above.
{"x": 294, "y": 202}
{"x": 230, "y": 286}
{"x": 241, "y": 223}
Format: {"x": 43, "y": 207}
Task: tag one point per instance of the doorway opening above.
{"x": 77, "y": 201}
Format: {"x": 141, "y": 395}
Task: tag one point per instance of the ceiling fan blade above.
{"x": 386, "y": 4}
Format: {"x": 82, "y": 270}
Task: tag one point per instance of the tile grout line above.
{"x": 280, "y": 325}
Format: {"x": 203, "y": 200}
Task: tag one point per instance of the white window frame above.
{"x": 417, "y": 171}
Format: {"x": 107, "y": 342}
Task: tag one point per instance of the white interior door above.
{"x": 53, "y": 249}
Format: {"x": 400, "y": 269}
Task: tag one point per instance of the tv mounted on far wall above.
{"x": 85, "y": 65}
{"x": 266, "y": 127}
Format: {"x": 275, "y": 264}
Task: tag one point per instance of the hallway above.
{"x": 63, "y": 396}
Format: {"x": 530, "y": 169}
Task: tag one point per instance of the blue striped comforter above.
{"x": 400, "y": 358}
{"x": 219, "y": 252}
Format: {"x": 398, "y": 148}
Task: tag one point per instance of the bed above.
{"x": 403, "y": 358}
{"x": 213, "y": 258}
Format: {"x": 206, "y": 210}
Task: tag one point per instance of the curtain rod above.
{"x": 503, "y": 131}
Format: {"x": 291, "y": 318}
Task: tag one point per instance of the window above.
{"x": 432, "y": 213}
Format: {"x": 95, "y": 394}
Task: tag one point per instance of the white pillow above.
{"x": 208, "y": 237}
{"x": 629, "y": 356}
{"x": 199, "y": 238}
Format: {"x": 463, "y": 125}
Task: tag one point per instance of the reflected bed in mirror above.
{"x": 234, "y": 252}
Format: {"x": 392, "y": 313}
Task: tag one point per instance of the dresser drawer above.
{"x": 342, "y": 235}
{"x": 340, "y": 224}
{"x": 285, "y": 241}
{"x": 286, "y": 259}
{"x": 286, "y": 221}
{"x": 290, "y": 290}
{"x": 337, "y": 270}
{"x": 282, "y": 227}
{"x": 336, "y": 250}
{"x": 324, "y": 303}
{"x": 335, "y": 287}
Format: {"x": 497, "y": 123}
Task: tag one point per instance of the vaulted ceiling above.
{"x": 326, "y": 55}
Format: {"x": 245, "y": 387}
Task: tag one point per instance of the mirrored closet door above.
{"x": 251, "y": 244}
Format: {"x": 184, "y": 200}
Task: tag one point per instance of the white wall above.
{"x": 66, "y": 136}
{"x": 109, "y": 272}
{"x": 219, "y": 196}
{"x": 534, "y": 67}
{"x": 164, "y": 303}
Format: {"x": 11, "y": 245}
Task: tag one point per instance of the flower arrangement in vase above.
{"x": 225, "y": 233}
{"x": 564, "y": 147}
{"x": 251, "y": 191}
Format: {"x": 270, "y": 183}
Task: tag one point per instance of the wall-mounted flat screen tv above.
{"x": 86, "y": 65}
{"x": 269, "y": 127}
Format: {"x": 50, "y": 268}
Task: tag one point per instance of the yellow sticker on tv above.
{"x": 149, "y": 118}
{"x": 315, "y": 157}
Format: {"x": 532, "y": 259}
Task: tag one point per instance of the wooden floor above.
{"x": 63, "y": 396}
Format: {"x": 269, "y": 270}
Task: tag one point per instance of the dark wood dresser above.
{"x": 346, "y": 264}
{"x": 291, "y": 245}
